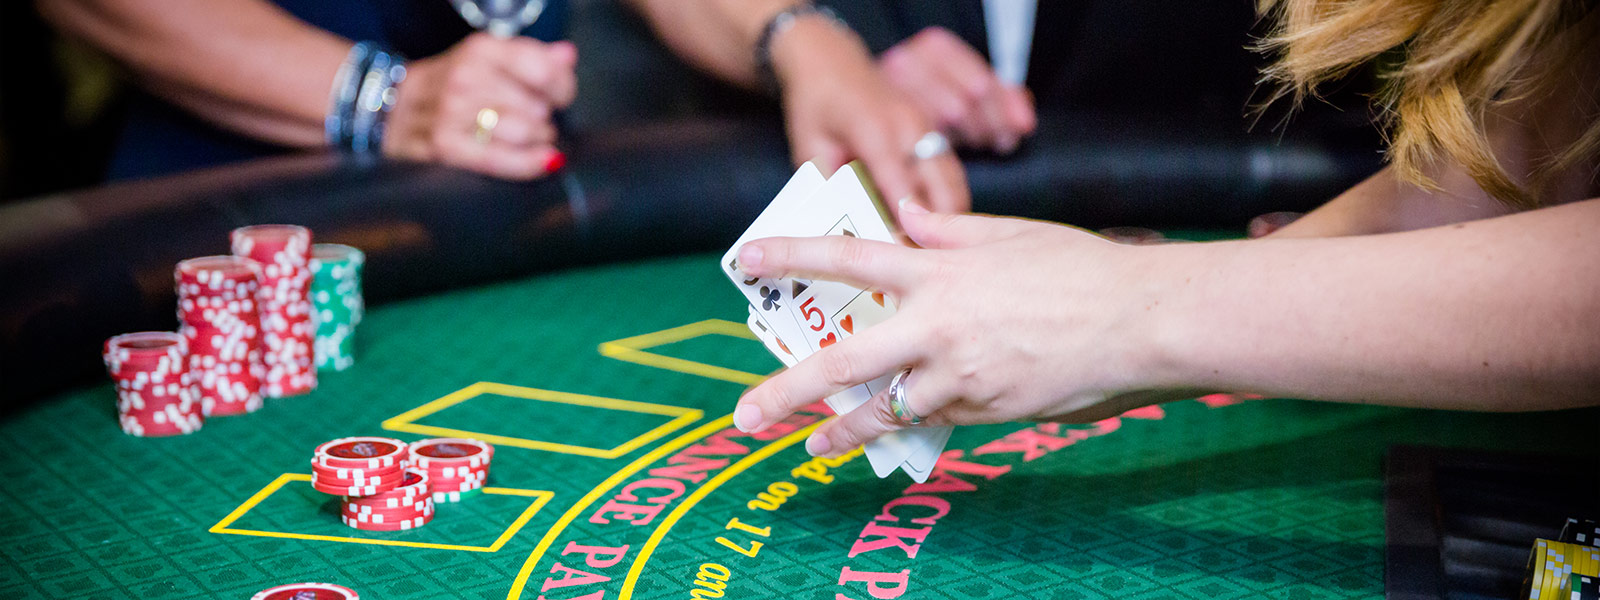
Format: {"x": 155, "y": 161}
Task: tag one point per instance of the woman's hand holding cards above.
{"x": 999, "y": 320}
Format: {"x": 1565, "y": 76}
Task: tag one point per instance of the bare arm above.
{"x": 245, "y": 65}
{"x": 1382, "y": 203}
{"x": 1498, "y": 314}
{"x": 716, "y": 35}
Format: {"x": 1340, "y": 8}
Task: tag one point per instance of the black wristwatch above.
{"x": 780, "y": 23}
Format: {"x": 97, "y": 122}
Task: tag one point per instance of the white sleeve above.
{"x": 1010, "y": 26}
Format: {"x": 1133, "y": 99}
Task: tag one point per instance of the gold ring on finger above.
{"x": 487, "y": 119}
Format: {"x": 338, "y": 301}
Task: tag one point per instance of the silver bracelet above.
{"x": 374, "y": 101}
{"x": 780, "y": 23}
{"x": 342, "y": 98}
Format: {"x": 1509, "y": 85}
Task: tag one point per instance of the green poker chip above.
{"x": 337, "y": 303}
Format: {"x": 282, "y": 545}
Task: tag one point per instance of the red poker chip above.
{"x": 394, "y": 499}
{"x": 228, "y": 409}
{"x": 413, "y": 486}
{"x": 273, "y": 244}
{"x": 451, "y": 452}
{"x": 361, "y": 452}
{"x": 380, "y": 519}
{"x": 402, "y": 525}
{"x": 162, "y": 351}
{"x": 352, "y": 491}
{"x": 141, "y": 426}
{"x": 355, "y": 504}
{"x": 422, "y": 507}
{"x": 444, "y": 483}
{"x": 464, "y": 486}
{"x": 453, "y": 471}
{"x": 217, "y": 273}
{"x": 387, "y": 482}
{"x": 307, "y": 591}
{"x": 351, "y": 473}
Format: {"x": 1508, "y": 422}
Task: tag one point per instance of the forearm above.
{"x": 1497, "y": 314}
{"x": 1383, "y": 204}
{"x": 246, "y": 65}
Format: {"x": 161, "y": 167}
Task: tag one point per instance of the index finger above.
{"x": 866, "y": 264}
{"x": 862, "y": 358}
{"x": 543, "y": 70}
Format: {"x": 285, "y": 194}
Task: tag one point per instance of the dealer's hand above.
{"x": 839, "y": 107}
{"x": 439, "y": 108}
{"x": 956, "y": 89}
{"x": 999, "y": 319}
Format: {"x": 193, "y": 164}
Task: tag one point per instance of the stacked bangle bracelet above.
{"x": 363, "y": 92}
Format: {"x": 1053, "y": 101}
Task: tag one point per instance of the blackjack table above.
{"x": 607, "y": 392}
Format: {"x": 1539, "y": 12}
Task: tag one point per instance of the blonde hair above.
{"x": 1460, "y": 60}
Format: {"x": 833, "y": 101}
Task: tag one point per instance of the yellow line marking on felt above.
{"x": 632, "y": 350}
{"x": 406, "y": 421}
{"x": 605, "y": 487}
{"x": 540, "y": 498}
{"x": 705, "y": 490}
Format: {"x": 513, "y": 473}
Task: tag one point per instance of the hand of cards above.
{"x": 795, "y": 318}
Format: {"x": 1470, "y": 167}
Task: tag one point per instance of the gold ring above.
{"x": 487, "y": 119}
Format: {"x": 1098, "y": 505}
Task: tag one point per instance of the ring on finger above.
{"x": 898, "y": 403}
{"x": 487, "y": 119}
{"x": 931, "y": 145}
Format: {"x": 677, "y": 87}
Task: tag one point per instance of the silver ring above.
{"x": 930, "y": 145}
{"x": 897, "y": 400}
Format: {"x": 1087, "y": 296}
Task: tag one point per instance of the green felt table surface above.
{"x": 613, "y": 385}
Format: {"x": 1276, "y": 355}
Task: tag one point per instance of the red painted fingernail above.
{"x": 557, "y": 160}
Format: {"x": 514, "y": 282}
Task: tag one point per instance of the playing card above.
{"x": 770, "y": 339}
{"x": 768, "y": 296}
{"x": 796, "y": 317}
{"x": 842, "y": 206}
{"x": 921, "y": 462}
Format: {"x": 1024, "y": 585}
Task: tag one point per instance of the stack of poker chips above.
{"x": 217, "y": 315}
{"x": 458, "y": 467}
{"x": 155, "y": 395}
{"x": 336, "y": 302}
{"x": 407, "y": 506}
{"x": 379, "y": 489}
{"x": 307, "y": 591}
{"x": 287, "y": 325}
{"x": 1566, "y": 567}
{"x": 359, "y": 466}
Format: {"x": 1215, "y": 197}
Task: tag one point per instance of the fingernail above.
{"x": 747, "y": 417}
{"x": 555, "y": 162}
{"x": 817, "y": 444}
{"x": 750, "y": 257}
{"x": 908, "y": 205}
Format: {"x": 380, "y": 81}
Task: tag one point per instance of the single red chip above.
{"x": 307, "y": 591}
{"x": 453, "y": 452}
{"x": 362, "y": 453}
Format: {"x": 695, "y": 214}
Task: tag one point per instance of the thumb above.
{"x": 945, "y": 231}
